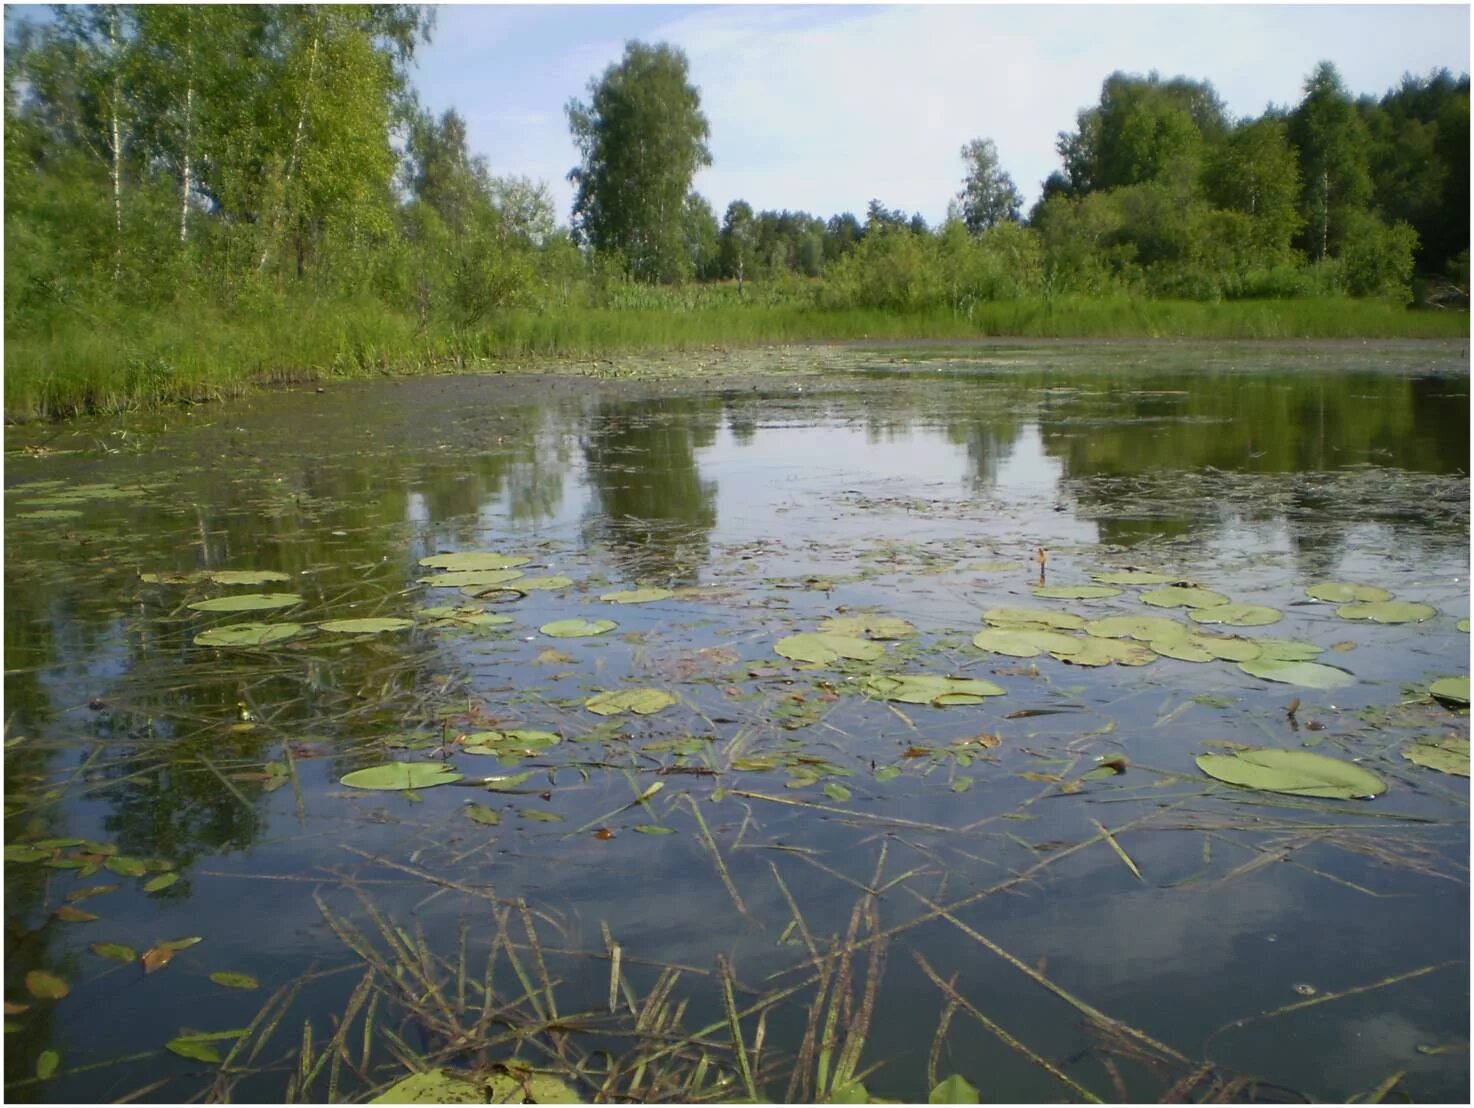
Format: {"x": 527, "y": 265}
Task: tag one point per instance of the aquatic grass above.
{"x": 192, "y": 353}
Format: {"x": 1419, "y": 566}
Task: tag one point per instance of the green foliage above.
{"x": 641, "y": 139}
{"x": 988, "y": 195}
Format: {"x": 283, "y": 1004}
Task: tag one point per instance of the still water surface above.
{"x": 1045, "y": 935}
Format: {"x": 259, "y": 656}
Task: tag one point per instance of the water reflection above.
{"x": 128, "y": 732}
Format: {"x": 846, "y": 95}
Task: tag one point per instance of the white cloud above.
{"x": 823, "y": 108}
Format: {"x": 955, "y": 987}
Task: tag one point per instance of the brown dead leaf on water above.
{"x": 156, "y": 958}
{"x": 552, "y": 657}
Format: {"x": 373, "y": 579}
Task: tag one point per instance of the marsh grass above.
{"x": 196, "y": 352}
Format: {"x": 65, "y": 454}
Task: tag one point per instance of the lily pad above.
{"x": 1388, "y": 611}
{"x": 1131, "y": 577}
{"x": 367, "y": 626}
{"x": 954, "y": 1090}
{"x": 1344, "y": 592}
{"x": 247, "y": 634}
{"x": 1038, "y": 617}
{"x": 643, "y": 702}
{"x": 1297, "y": 772}
{"x": 435, "y": 1087}
{"x": 937, "y": 691}
{"x": 1139, "y": 627}
{"x": 1451, "y": 690}
{"x": 234, "y": 980}
{"x": 637, "y": 596}
{"x": 1104, "y": 652}
{"x": 822, "y": 648}
{"x": 1450, "y": 755}
{"x": 1075, "y": 592}
{"x": 115, "y": 952}
{"x": 868, "y": 627}
{"x": 1183, "y": 596}
{"x": 509, "y": 742}
{"x": 463, "y": 578}
{"x": 472, "y": 560}
{"x": 469, "y": 616}
{"x": 1462, "y": 625}
{"x": 1309, "y": 675}
{"x": 247, "y": 602}
{"x": 244, "y": 576}
{"x": 46, "y": 986}
{"x": 577, "y": 628}
{"x": 1202, "y": 646}
{"x": 529, "y": 584}
{"x": 395, "y": 776}
{"x": 1026, "y": 642}
{"x": 1235, "y": 615}
{"x": 1287, "y": 650}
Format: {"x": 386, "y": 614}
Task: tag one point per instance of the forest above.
{"x": 198, "y": 196}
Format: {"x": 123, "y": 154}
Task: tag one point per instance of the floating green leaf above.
{"x": 468, "y": 616}
{"x": 1451, "y": 690}
{"x": 473, "y": 560}
{"x": 1183, "y": 596}
{"x": 1388, "y": 611}
{"x": 435, "y": 1087}
{"x": 1104, "y": 652}
{"x": 1462, "y": 625}
{"x": 1139, "y": 627}
{"x": 480, "y": 813}
{"x": 1309, "y": 675}
{"x": 654, "y": 829}
{"x": 524, "y": 1086}
{"x": 370, "y": 626}
{"x": 160, "y": 883}
{"x": 247, "y": 634}
{"x": 1297, "y": 772}
{"x": 1235, "y": 615}
{"x": 921, "y": 688}
{"x": 116, "y": 952}
{"x": 868, "y": 627}
{"x": 46, "y": 986}
{"x": 1287, "y": 650}
{"x": 954, "y": 1090}
{"x": 125, "y": 866}
{"x": 46, "y": 1064}
{"x": 476, "y": 578}
{"x": 577, "y": 628}
{"x": 1448, "y": 755}
{"x": 190, "y": 1047}
{"x": 247, "y": 602}
{"x": 1039, "y": 617}
{"x": 1075, "y": 592}
{"x": 1201, "y": 646}
{"x": 529, "y": 584}
{"x": 1343, "y": 592}
{"x": 1025, "y": 642}
{"x": 887, "y": 773}
{"x": 393, "y": 776}
{"x": 835, "y": 791}
{"x": 1131, "y": 577}
{"x": 509, "y": 742}
{"x": 244, "y": 576}
{"x": 234, "y": 980}
{"x": 637, "y": 596}
{"x": 822, "y": 648}
{"x": 643, "y": 702}
{"x": 540, "y": 815}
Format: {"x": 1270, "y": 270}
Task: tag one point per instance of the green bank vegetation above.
{"x": 199, "y": 197}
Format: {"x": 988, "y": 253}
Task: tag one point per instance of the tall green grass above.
{"x": 201, "y": 352}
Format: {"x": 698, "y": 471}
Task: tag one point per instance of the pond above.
{"x": 802, "y": 724}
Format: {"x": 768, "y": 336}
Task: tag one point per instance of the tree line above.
{"x": 243, "y": 157}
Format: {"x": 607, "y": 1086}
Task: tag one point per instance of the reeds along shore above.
{"x": 141, "y": 361}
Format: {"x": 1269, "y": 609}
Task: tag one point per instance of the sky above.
{"x": 821, "y": 108}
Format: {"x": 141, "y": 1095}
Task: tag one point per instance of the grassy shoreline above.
{"x": 202, "y": 354}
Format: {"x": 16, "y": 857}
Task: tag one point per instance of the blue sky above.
{"x": 821, "y": 108}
